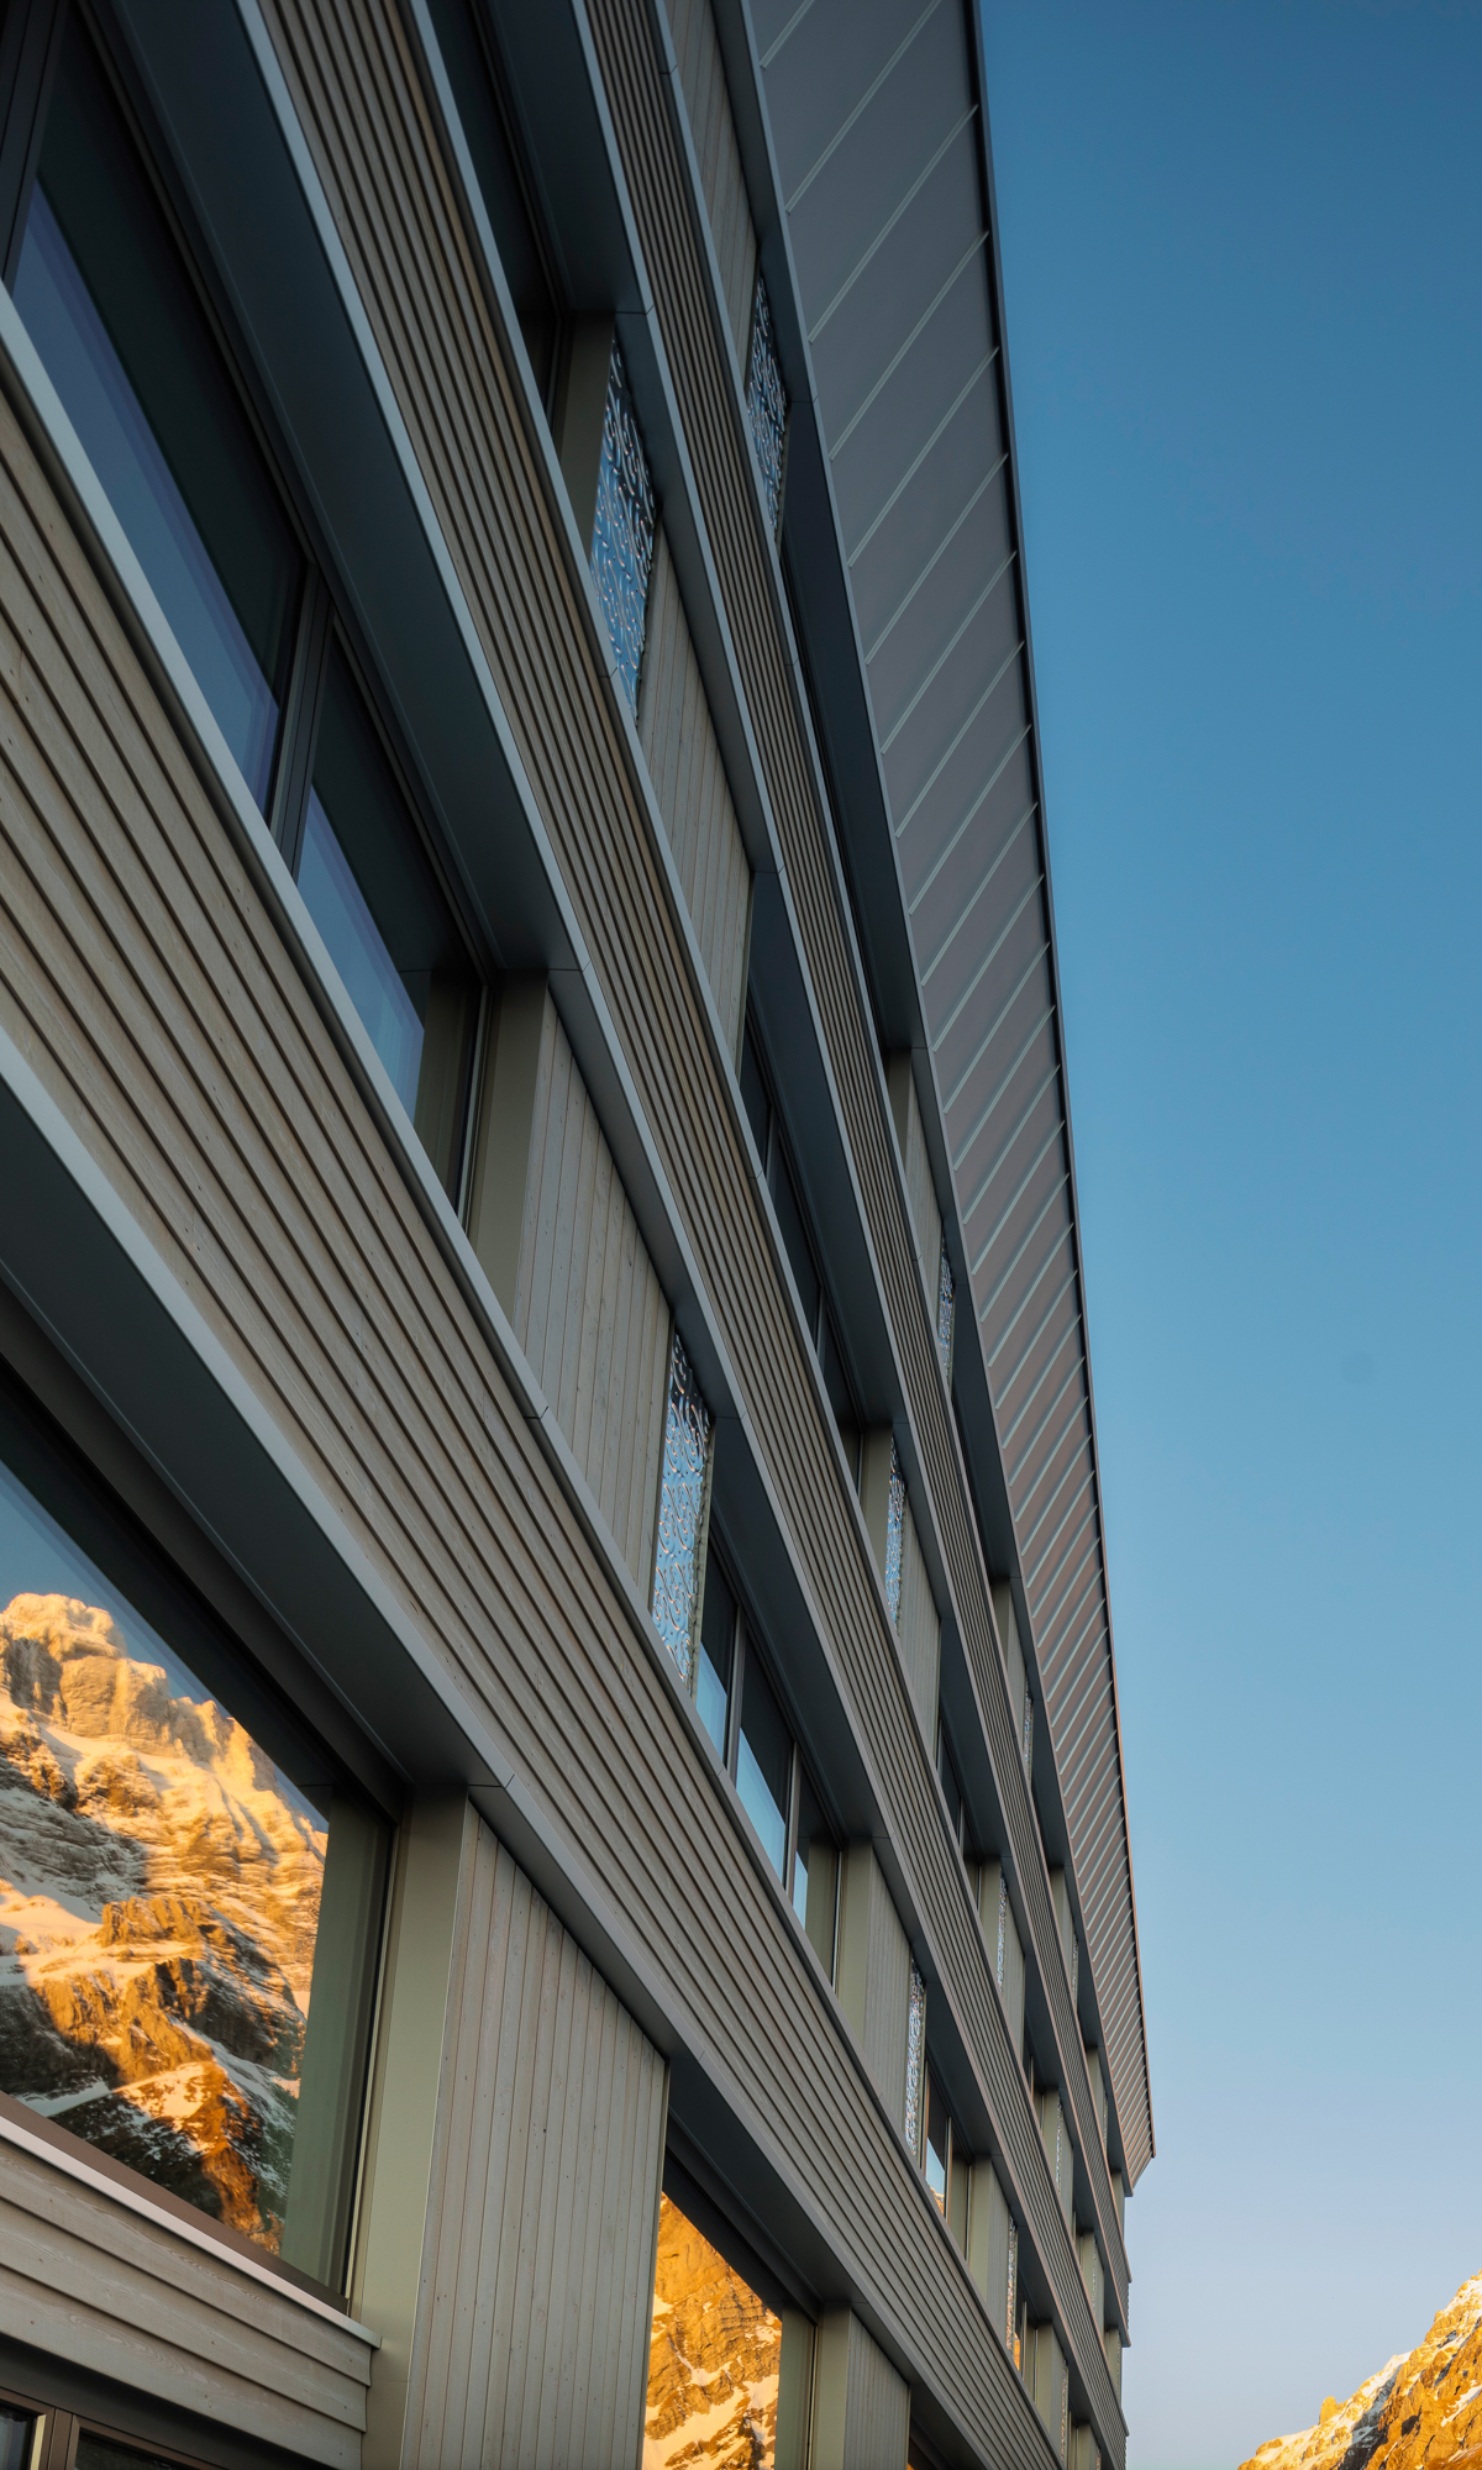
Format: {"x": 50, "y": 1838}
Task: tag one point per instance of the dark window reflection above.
{"x": 717, "y": 1652}
{"x": 123, "y": 338}
{"x": 465, "y": 41}
{"x": 388, "y": 925}
{"x": 764, "y": 1765}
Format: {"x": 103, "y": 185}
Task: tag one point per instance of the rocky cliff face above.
{"x": 159, "y": 1895}
{"x": 1423, "y": 2412}
{"x": 714, "y": 2360}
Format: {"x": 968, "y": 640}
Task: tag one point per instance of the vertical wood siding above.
{"x": 920, "y": 1631}
{"x": 533, "y": 2331}
{"x": 684, "y": 763}
{"x": 90, "y": 2281}
{"x": 702, "y": 75}
{"x": 862, "y": 2410}
{"x": 589, "y": 1310}
{"x": 874, "y": 1975}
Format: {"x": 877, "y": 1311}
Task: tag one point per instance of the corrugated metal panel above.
{"x": 589, "y": 1310}
{"x": 531, "y": 2348}
{"x": 876, "y": 117}
{"x": 87, "y": 2280}
{"x": 702, "y": 75}
{"x": 684, "y": 761}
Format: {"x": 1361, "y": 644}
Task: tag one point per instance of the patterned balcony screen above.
{"x": 766, "y": 404}
{"x": 624, "y": 529}
{"x": 895, "y": 1535}
{"x": 946, "y": 1313}
{"x": 1026, "y": 1739}
{"x": 684, "y": 1491}
{"x": 916, "y": 2062}
{"x": 1003, "y": 1919}
{"x": 1011, "y": 2317}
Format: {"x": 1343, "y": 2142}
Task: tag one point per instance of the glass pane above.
{"x": 15, "y": 2439}
{"x": 764, "y": 1763}
{"x": 717, "y": 1649}
{"x": 766, "y": 404}
{"x": 112, "y": 313}
{"x": 106, "y": 2453}
{"x": 951, "y": 1789}
{"x": 915, "y": 2058}
{"x": 163, "y": 1875}
{"x": 682, "y": 1489}
{"x": 390, "y": 930}
{"x": 714, "y": 2362}
{"x": 938, "y": 2143}
{"x": 754, "y": 1093}
{"x": 795, "y": 1239}
{"x": 815, "y": 1876}
{"x": 464, "y": 44}
{"x": 895, "y": 1536}
{"x": 623, "y": 529}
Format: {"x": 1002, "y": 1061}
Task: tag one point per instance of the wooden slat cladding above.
{"x": 533, "y": 2327}
{"x": 589, "y": 1310}
{"x": 684, "y": 762}
{"x": 355, "y": 86}
{"x": 728, "y": 492}
{"x": 151, "y": 991}
{"x": 708, "y": 103}
{"x": 90, "y": 2281}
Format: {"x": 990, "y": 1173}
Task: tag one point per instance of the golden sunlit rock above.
{"x": 714, "y": 2360}
{"x": 1421, "y": 2412}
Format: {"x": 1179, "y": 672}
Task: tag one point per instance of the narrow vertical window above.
{"x": 122, "y": 335}
{"x": 1011, "y": 2313}
{"x": 624, "y": 529}
{"x": 764, "y": 1765}
{"x": 895, "y": 1536}
{"x": 1003, "y": 1926}
{"x": 946, "y": 1313}
{"x": 683, "y": 1500}
{"x": 766, "y": 404}
{"x": 372, "y": 891}
{"x": 915, "y": 2060}
{"x": 1026, "y": 1740}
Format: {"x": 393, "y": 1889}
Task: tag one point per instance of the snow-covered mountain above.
{"x": 714, "y": 2360}
{"x": 1421, "y": 2412}
{"x": 159, "y": 1895}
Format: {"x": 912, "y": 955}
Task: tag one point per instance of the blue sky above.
{"x": 1242, "y": 245}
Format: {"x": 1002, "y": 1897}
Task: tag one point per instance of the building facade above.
{"x": 564, "y": 1881}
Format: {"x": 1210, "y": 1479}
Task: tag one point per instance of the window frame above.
{"x": 30, "y": 46}
{"x": 746, "y": 1647}
{"x": 776, "y": 1152}
{"x": 162, "y": 1593}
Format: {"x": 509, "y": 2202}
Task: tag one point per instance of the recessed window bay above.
{"x": 188, "y": 1901}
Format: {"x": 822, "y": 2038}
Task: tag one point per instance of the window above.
{"x": 111, "y": 309}
{"x": 945, "y": 2162}
{"x": 740, "y": 1710}
{"x": 625, "y": 529}
{"x": 915, "y": 2060}
{"x": 17, "y": 2428}
{"x": 766, "y": 405}
{"x": 186, "y": 1879}
{"x": 480, "y": 90}
{"x": 125, "y": 336}
{"x": 771, "y": 1141}
{"x": 720, "y": 2362}
{"x": 951, "y": 1789}
{"x": 946, "y": 1312}
{"x": 371, "y": 888}
{"x": 895, "y": 1536}
{"x": 684, "y": 1498}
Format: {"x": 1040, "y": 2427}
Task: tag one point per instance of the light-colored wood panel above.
{"x": 684, "y": 761}
{"x": 589, "y": 1309}
{"x": 532, "y": 2343}
{"x": 95, "y": 2284}
{"x": 722, "y": 175}
{"x": 862, "y": 2409}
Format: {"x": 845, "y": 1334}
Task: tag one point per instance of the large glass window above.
{"x": 390, "y": 929}
{"x": 742, "y": 1714}
{"x": 112, "y": 312}
{"x": 190, "y": 1889}
{"x": 716, "y": 2358}
{"x": 782, "y": 1182}
{"x": 945, "y": 2161}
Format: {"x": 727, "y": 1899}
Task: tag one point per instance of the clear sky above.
{"x": 1243, "y": 261}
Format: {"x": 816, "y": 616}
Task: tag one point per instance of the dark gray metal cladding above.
{"x": 881, "y": 147}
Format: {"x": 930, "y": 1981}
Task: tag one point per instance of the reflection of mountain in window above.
{"x": 162, "y": 1885}
{"x": 715, "y": 2360}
